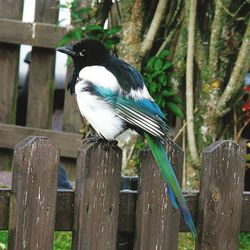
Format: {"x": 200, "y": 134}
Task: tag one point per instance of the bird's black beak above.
{"x": 67, "y": 50}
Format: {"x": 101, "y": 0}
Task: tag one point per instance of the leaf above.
{"x": 177, "y": 99}
{"x": 92, "y": 27}
{"x": 167, "y": 93}
{"x": 152, "y": 87}
{"x": 66, "y": 39}
{"x": 162, "y": 78}
{"x": 175, "y": 109}
{"x": 158, "y": 64}
{"x": 78, "y": 33}
{"x": 150, "y": 62}
{"x": 111, "y": 41}
{"x": 164, "y": 53}
{"x": 113, "y": 30}
{"x": 167, "y": 65}
{"x": 163, "y": 103}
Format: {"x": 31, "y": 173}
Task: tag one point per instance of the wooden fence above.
{"x": 43, "y": 35}
{"x": 98, "y": 214}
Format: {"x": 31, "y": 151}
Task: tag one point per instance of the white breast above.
{"x": 99, "y": 113}
{"x": 99, "y": 75}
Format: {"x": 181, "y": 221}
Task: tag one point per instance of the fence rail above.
{"x": 96, "y": 211}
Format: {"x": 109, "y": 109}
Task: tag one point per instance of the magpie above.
{"x": 112, "y": 96}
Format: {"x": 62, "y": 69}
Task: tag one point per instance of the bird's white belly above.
{"x": 100, "y": 115}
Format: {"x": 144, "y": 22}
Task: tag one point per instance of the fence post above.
{"x": 41, "y": 77}
{"x": 97, "y": 196}
{"x": 157, "y": 223}
{"x": 9, "y": 55}
{"x": 33, "y": 194}
{"x": 219, "y": 209}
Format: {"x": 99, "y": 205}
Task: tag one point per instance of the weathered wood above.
{"x": 157, "y": 223}
{"x": 41, "y": 78}
{"x": 220, "y": 196}
{"x": 71, "y": 115}
{"x": 35, "y": 34}
{"x": 68, "y": 142}
{"x": 33, "y": 194}
{"x": 97, "y": 196}
{"x": 126, "y": 220}
{"x": 9, "y": 55}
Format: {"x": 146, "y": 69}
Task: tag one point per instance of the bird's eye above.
{"x": 81, "y": 53}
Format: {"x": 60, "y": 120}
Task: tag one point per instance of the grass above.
{"x": 62, "y": 241}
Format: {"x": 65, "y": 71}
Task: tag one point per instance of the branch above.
{"x": 154, "y": 26}
{"x": 235, "y": 83}
{"x": 189, "y": 83}
{"x": 168, "y": 38}
{"x": 200, "y": 53}
{"x": 216, "y": 28}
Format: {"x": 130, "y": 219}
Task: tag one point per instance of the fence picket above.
{"x": 220, "y": 200}
{"x": 97, "y": 196}
{"x": 41, "y": 79}
{"x": 33, "y": 195}
{"x": 157, "y": 223}
{"x": 9, "y": 55}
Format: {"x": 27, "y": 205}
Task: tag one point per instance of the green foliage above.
{"x": 244, "y": 243}
{"x": 62, "y": 240}
{"x": 81, "y": 27}
{"x": 3, "y": 240}
{"x": 156, "y": 73}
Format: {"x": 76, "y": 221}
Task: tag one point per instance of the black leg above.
{"x": 94, "y": 138}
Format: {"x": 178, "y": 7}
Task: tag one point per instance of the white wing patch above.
{"x": 100, "y": 115}
{"x": 99, "y": 75}
{"x": 140, "y": 94}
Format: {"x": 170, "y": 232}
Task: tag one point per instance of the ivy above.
{"x": 81, "y": 27}
{"x": 156, "y": 74}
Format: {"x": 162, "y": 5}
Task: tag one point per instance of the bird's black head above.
{"x": 87, "y": 52}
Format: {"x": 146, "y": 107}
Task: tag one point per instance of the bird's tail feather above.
{"x": 174, "y": 190}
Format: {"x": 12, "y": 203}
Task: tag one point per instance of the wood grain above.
{"x": 33, "y": 194}
{"x": 9, "y": 55}
{"x": 68, "y": 142}
{"x": 97, "y": 197}
{"x": 41, "y": 78}
{"x": 65, "y": 210}
{"x": 220, "y": 200}
{"x": 36, "y": 34}
{"x": 157, "y": 223}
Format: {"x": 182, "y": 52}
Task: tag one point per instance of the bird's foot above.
{"x": 97, "y": 138}
{"x": 94, "y": 138}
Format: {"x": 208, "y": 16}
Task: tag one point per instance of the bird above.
{"x": 112, "y": 95}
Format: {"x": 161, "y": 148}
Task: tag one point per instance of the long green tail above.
{"x": 175, "y": 192}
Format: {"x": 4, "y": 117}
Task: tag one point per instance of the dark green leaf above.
{"x": 158, "y": 64}
{"x": 175, "y": 109}
{"x": 150, "y": 62}
{"x": 162, "y": 78}
{"x": 167, "y": 93}
{"x": 66, "y": 39}
{"x": 177, "y": 99}
{"x": 167, "y": 65}
{"x": 113, "y": 30}
{"x": 78, "y": 34}
{"x": 164, "y": 53}
{"x": 92, "y": 27}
